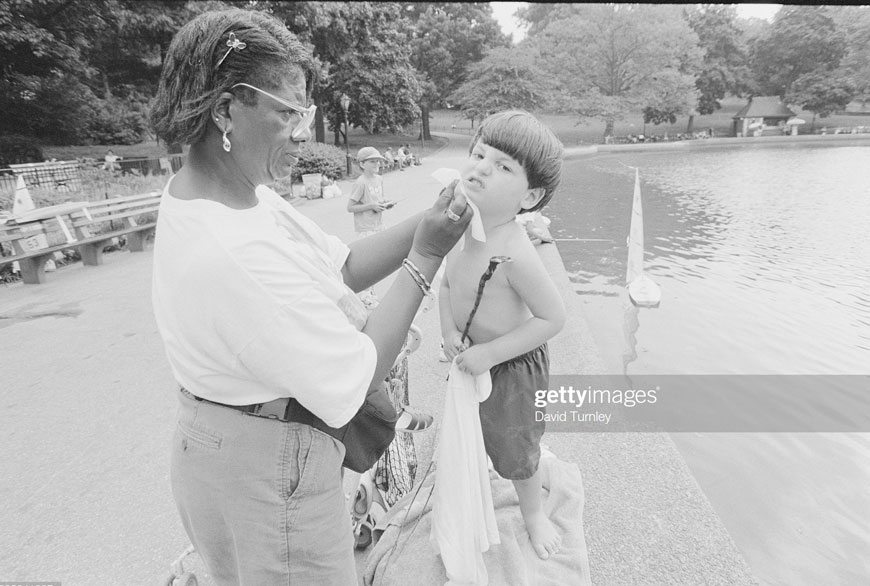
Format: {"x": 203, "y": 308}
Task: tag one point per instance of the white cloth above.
{"x": 251, "y": 307}
{"x": 463, "y": 517}
{"x": 445, "y": 176}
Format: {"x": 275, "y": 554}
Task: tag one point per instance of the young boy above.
{"x": 514, "y": 166}
{"x": 367, "y": 195}
{"x": 368, "y": 204}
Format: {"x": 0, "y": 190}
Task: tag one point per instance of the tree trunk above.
{"x": 319, "y": 127}
{"x": 425, "y": 114}
{"x": 689, "y": 125}
{"x": 107, "y": 90}
{"x": 608, "y": 128}
{"x": 813, "y": 124}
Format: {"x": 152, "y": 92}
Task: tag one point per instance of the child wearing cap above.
{"x": 367, "y": 201}
{"x": 367, "y": 204}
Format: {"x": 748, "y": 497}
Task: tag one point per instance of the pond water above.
{"x": 763, "y": 257}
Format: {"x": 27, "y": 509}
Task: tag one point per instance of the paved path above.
{"x": 87, "y": 404}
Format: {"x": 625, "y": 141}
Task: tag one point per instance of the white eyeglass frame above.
{"x": 307, "y": 113}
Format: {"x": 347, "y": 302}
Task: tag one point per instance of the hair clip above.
{"x": 232, "y": 43}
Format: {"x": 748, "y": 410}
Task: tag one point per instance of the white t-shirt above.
{"x": 249, "y": 310}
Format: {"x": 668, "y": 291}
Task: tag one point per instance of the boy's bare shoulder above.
{"x": 519, "y": 247}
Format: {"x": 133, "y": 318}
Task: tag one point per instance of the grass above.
{"x": 144, "y": 150}
{"x": 569, "y": 129}
{"x": 566, "y": 127}
{"x": 592, "y": 131}
{"x": 358, "y": 138}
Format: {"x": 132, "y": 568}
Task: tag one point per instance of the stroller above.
{"x": 393, "y": 474}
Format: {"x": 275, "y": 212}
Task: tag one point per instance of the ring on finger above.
{"x": 452, "y": 216}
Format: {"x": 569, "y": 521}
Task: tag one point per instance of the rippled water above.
{"x": 763, "y": 257}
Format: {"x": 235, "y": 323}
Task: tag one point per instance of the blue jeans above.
{"x": 261, "y": 500}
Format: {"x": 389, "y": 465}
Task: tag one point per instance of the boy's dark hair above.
{"x": 520, "y": 135}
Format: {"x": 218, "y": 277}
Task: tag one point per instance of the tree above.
{"x": 724, "y": 68}
{"x": 82, "y": 71}
{"x": 506, "y": 78}
{"x": 854, "y": 23}
{"x": 669, "y": 94}
{"x": 40, "y": 52}
{"x": 447, "y": 37}
{"x": 361, "y": 50}
{"x": 128, "y": 54}
{"x": 821, "y": 93}
{"x": 610, "y": 60}
{"x": 540, "y": 15}
{"x": 800, "y": 40}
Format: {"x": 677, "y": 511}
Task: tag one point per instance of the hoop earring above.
{"x": 227, "y": 145}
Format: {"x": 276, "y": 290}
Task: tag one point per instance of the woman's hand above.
{"x": 437, "y": 232}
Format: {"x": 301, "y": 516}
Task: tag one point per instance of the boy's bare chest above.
{"x": 466, "y": 267}
{"x": 500, "y": 304}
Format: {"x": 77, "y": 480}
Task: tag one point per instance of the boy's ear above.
{"x": 532, "y": 198}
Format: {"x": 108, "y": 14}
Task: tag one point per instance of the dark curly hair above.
{"x": 192, "y": 81}
{"x": 522, "y": 136}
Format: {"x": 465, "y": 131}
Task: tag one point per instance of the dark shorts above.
{"x": 510, "y": 433}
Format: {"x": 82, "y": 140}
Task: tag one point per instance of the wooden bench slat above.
{"x": 124, "y": 200}
{"x": 78, "y": 223}
{"x": 79, "y": 220}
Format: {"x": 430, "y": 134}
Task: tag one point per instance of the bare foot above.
{"x": 545, "y": 539}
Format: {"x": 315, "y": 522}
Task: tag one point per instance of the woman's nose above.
{"x": 303, "y": 135}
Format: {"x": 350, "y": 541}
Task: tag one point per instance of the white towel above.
{"x": 445, "y": 177}
{"x": 463, "y": 516}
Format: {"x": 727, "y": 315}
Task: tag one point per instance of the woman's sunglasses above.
{"x": 307, "y": 113}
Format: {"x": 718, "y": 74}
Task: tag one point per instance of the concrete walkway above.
{"x": 88, "y": 408}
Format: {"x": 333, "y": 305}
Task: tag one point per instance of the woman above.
{"x": 256, "y": 308}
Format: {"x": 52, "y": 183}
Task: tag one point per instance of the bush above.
{"x": 118, "y": 121}
{"x": 317, "y": 157}
{"x": 15, "y": 149}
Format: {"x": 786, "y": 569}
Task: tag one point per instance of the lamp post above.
{"x": 344, "y": 100}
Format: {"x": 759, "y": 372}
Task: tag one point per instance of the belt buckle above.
{"x": 276, "y": 409}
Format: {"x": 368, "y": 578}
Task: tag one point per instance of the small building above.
{"x": 760, "y": 114}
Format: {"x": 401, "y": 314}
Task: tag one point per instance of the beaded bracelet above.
{"x": 420, "y": 279}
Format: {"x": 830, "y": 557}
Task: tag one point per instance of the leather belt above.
{"x": 285, "y": 409}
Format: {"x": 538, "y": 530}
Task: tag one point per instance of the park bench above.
{"x": 85, "y": 226}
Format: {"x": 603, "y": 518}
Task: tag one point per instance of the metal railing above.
{"x": 79, "y": 176}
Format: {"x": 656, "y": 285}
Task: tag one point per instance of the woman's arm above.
{"x": 451, "y": 337}
{"x": 435, "y": 235}
{"x": 374, "y": 258}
